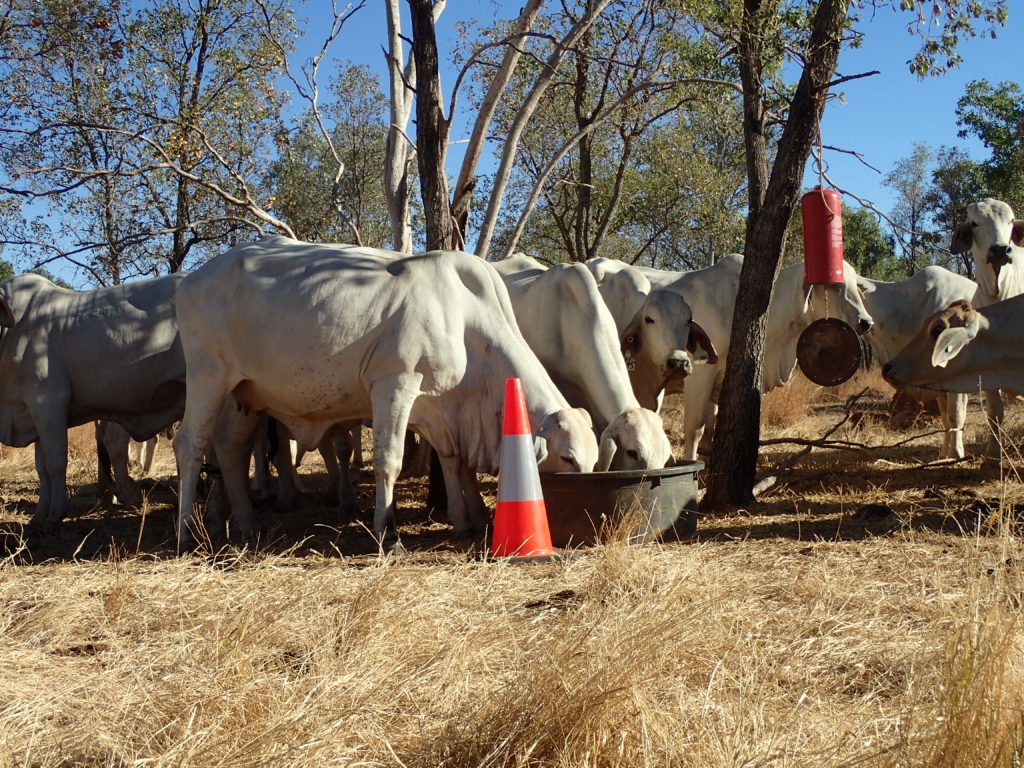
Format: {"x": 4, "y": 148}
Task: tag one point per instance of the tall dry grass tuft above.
{"x": 979, "y": 717}
{"x": 788, "y": 405}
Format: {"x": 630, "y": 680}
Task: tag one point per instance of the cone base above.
{"x": 558, "y": 556}
{"x": 521, "y": 530}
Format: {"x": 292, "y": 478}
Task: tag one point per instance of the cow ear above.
{"x": 949, "y": 344}
{"x": 630, "y": 341}
{"x": 6, "y": 314}
{"x": 606, "y": 453}
{"x": 864, "y": 285}
{"x": 963, "y": 239}
{"x": 540, "y": 448}
{"x": 585, "y": 415}
{"x": 699, "y": 338}
{"x": 1017, "y": 233}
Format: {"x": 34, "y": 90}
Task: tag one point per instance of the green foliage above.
{"x": 661, "y": 180}
{"x": 302, "y": 180}
{"x": 942, "y": 24}
{"x": 107, "y": 97}
{"x": 995, "y": 115}
{"x": 6, "y": 271}
{"x": 867, "y": 248}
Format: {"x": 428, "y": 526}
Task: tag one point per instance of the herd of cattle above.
{"x": 319, "y": 337}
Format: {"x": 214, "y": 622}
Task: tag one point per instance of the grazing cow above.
{"x": 962, "y": 348}
{"x": 568, "y": 326}
{"x": 898, "y": 310}
{"x": 68, "y": 357}
{"x": 711, "y": 294}
{"x": 994, "y": 237}
{"x": 660, "y": 340}
{"x": 425, "y": 340}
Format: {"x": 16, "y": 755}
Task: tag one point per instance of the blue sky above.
{"x": 884, "y": 116}
{"x": 881, "y": 117}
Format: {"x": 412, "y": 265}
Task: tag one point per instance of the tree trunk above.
{"x": 533, "y": 97}
{"x": 733, "y": 463}
{"x": 431, "y": 128}
{"x": 396, "y": 167}
{"x": 467, "y": 172}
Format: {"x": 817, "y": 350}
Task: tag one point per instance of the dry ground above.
{"x": 864, "y": 612}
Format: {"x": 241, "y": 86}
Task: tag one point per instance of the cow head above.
{"x": 634, "y": 440}
{"x": 6, "y": 314}
{"x": 942, "y": 337}
{"x": 992, "y": 236}
{"x": 663, "y": 341}
{"x": 842, "y": 300}
{"x": 565, "y": 442}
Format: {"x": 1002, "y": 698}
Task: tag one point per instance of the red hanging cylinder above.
{"x": 822, "y": 211}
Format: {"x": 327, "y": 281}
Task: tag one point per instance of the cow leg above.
{"x": 235, "y": 435}
{"x": 261, "y": 467}
{"x": 336, "y": 452}
{"x": 288, "y": 483}
{"x": 696, "y": 403}
{"x": 476, "y": 510}
{"x": 116, "y": 441}
{"x": 194, "y": 438}
{"x": 451, "y": 469}
{"x": 104, "y": 474}
{"x": 392, "y": 398}
{"x": 994, "y": 411}
{"x": 148, "y": 454}
{"x": 953, "y": 409}
{"x": 48, "y": 414}
{"x": 356, "y": 434}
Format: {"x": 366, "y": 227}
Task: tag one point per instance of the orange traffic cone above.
{"x": 520, "y": 519}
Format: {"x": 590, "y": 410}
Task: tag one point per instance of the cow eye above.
{"x": 633, "y": 454}
{"x": 648, "y": 319}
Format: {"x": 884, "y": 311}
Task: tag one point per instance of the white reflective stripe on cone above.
{"x": 518, "y": 477}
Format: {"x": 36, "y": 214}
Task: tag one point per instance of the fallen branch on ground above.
{"x": 843, "y": 445}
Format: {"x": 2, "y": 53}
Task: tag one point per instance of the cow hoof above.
{"x": 395, "y": 548}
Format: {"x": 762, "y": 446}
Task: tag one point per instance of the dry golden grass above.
{"x": 865, "y": 612}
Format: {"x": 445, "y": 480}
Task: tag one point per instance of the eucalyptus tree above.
{"x": 334, "y": 192}
{"x": 956, "y": 182}
{"x": 623, "y": 154}
{"x": 995, "y": 115}
{"x": 910, "y": 180}
{"x": 778, "y": 136}
{"x": 137, "y": 132}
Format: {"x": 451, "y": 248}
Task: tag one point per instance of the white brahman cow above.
{"x": 994, "y": 237}
{"x": 898, "y": 310}
{"x": 660, "y": 340}
{"x": 962, "y": 348}
{"x": 425, "y": 340}
{"x": 568, "y": 326}
{"x": 711, "y": 295}
{"x": 68, "y": 357}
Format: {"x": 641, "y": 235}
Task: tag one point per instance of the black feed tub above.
{"x": 586, "y": 507}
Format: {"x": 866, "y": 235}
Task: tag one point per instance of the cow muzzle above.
{"x": 1000, "y": 255}
{"x": 680, "y": 364}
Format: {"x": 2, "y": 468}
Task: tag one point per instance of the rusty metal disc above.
{"x": 828, "y": 352}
